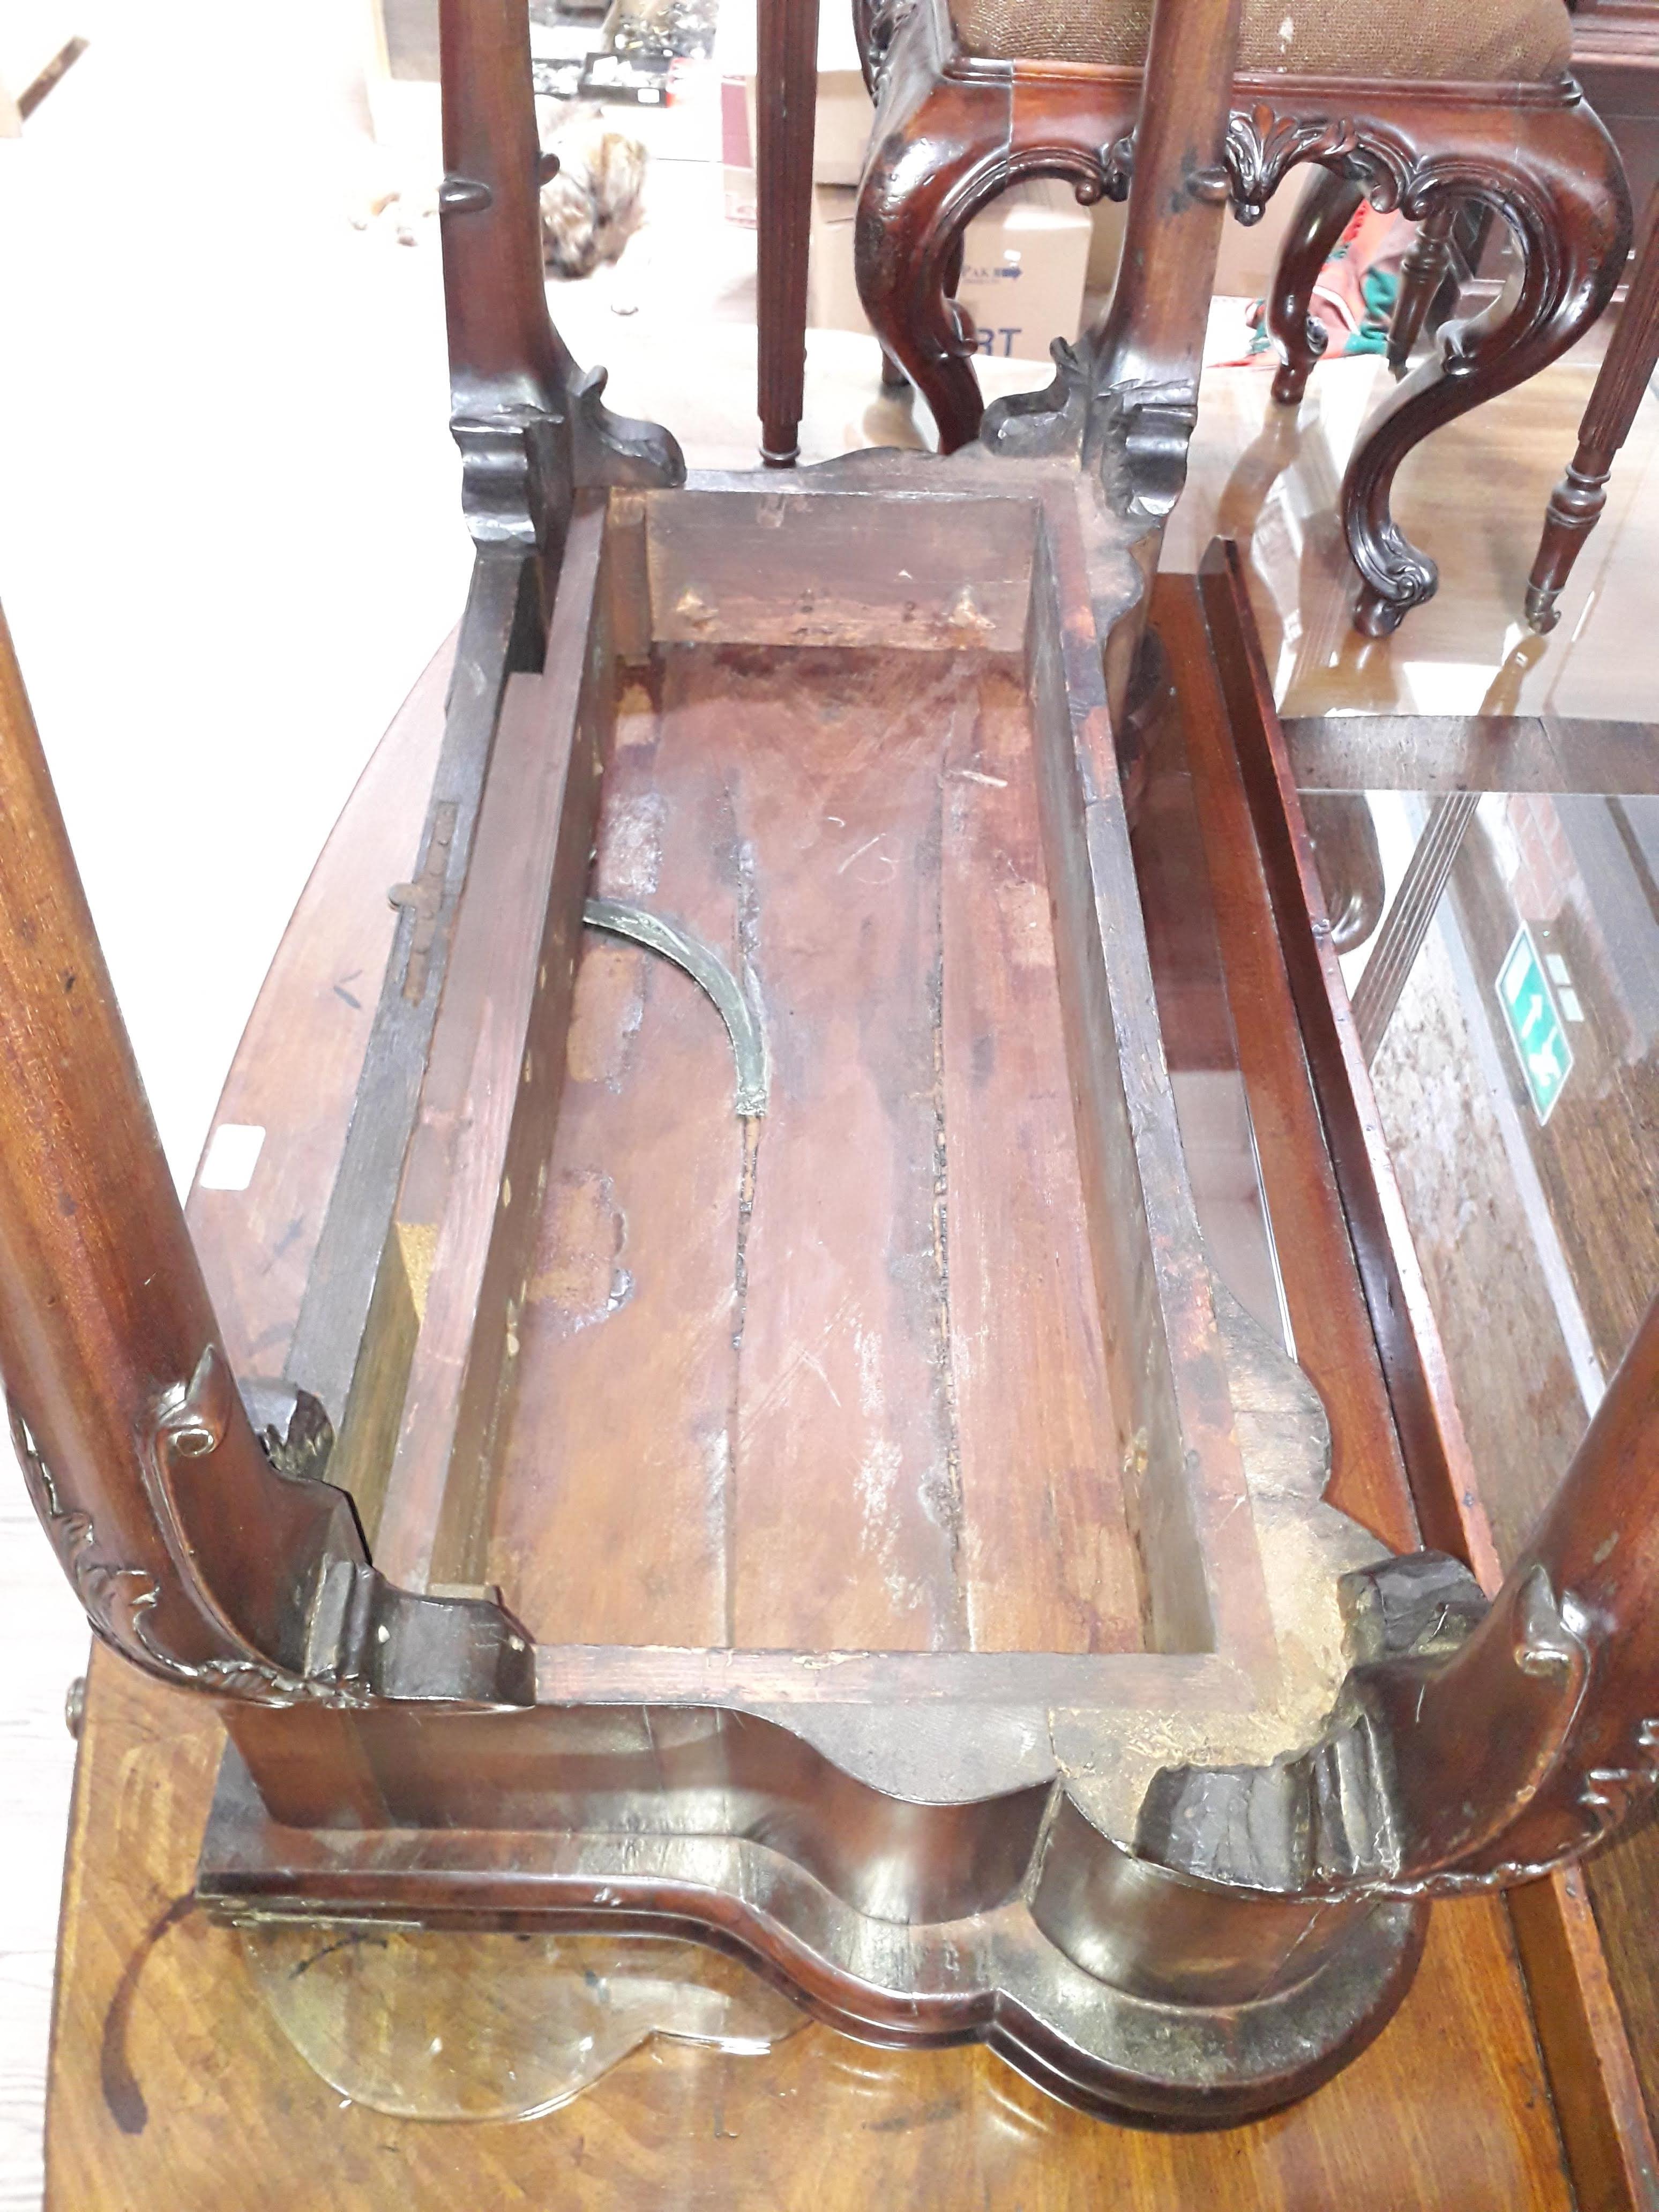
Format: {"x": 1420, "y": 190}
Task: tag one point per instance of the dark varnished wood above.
{"x": 899, "y": 1750}
{"x": 1425, "y": 1412}
{"x": 785, "y": 99}
{"x": 193, "y": 2044}
{"x": 1615, "y": 57}
{"x": 947, "y": 1494}
{"x": 1596, "y": 2061}
{"x": 953, "y": 131}
{"x": 923, "y": 873}
{"x": 1328, "y": 203}
{"x": 192, "y": 1551}
{"x": 1427, "y": 263}
{"x": 1334, "y": 1335}
{"x": 173, "y": 2083}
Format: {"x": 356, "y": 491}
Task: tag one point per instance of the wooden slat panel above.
{"x": 887, "y": 1406}
{"x": 846, "y": 1459}
{"x": 610, "y": 1522}
{"x": 1043, "y": 1557}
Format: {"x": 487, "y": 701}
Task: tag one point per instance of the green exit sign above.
{"x": 1533, "y": 1021}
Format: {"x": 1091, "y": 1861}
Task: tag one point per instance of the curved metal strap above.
{"x": 738, "y": 1003}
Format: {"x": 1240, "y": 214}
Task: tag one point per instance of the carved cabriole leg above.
{"x": 914, "y": 207}
{"x": 941, "y": 151}
{"x": 918, "y": 192}
{"x": 1558, "y": 182}
{"x": 1540, "y": 160}
{"x": 1327, "y": 206}
{"x": 1576, "y": 502}
{"x": 1421, "y": 274}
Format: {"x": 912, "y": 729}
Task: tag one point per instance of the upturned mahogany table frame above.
{"x": 159, "y": 2038}
{"x": 1174, "y": 1910}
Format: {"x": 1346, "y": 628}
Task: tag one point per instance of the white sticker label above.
{"x": 233, "y": 1153}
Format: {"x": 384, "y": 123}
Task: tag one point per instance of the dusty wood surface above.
{"x": 876, "y": 1389}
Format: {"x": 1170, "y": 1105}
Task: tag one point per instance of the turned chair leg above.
{"x": 1424, "y": 271}
{"x": 1565, "y": 197}
{"x": 787, "y": 62}
{"x": 1576, "y": 502}
{"x": 1328, "y": 203}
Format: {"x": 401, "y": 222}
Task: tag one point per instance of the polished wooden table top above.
{"x": 173, "y": 2084}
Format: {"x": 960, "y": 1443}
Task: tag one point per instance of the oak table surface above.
{"x": 173, "y": 2084}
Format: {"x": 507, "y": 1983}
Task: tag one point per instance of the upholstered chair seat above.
{"x": 1425, "y": 41}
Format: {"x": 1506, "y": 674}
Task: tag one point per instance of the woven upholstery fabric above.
{"x": 1415, "y": 41}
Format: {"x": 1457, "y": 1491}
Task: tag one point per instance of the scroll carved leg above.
{"x": 1327, "y": 208}
{"x": 1562, "y": 193}
{"x": 909, "y": 255}
{"x": 932, "y": 167}
{"x": 1421, "y": 274}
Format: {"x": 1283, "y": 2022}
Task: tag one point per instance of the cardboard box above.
{"x": 1023, "y": 263}
{"x": 1248, "y": 253}
{"x": 842, "y": 131}
{"x": 844, "y": 113}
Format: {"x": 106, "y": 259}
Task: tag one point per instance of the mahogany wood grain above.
{"x": 1328, "y": 203}
{"x": 1427, "y": 263}
{"x": 785, "y": 104}
{"x": 182, "y": 1544}
{"x": 1333, "y": 1331}
{"x": 868, "y": 1316}
{"x": 954, "y": 130}
{"x": 1031, "y": 1404}
{"x": 630, "y": 1303}
{"x": 1622, "y": 1885}
{"x": 490, "y": 1096}
{"x": 172, "y": 2083}
{"x": 1436, "y": 1454}
{"x": 1597, "y": 2034}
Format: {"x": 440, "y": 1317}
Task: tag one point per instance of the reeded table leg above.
{"x": 1575, "y": 504}
{"x": 785, "y": 98}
